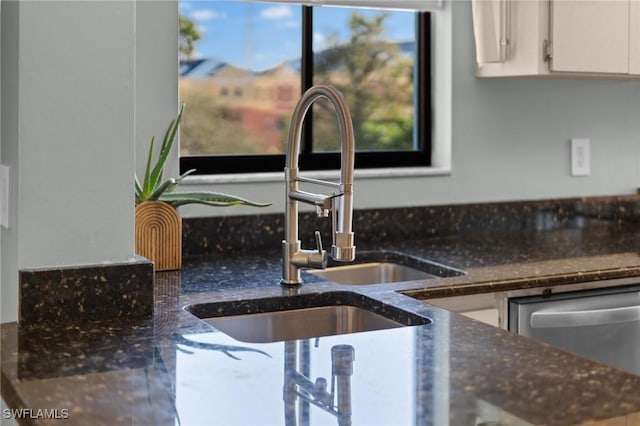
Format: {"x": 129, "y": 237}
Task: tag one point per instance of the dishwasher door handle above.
{"x": 557, "y": 319}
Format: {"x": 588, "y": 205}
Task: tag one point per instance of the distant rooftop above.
{"x": 207, "y": 67}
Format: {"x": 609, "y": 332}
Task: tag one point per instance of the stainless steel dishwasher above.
{"x": 603, "y": 324}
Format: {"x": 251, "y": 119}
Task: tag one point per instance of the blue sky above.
{"x": 260, "y": 35}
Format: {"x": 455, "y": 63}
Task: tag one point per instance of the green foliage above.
{"x": 154, "y": 188}
{"x": 388, "y": 135}
{"x": 376, "y": 80}
{"x": 188, "y": 34}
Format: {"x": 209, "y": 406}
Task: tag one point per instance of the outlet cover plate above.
{"x": 580, "y": 157}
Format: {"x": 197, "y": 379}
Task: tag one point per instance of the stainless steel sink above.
{"x": 302, "y": 323}
{"x": 371, "y": 273}
{"x": 302, "y": 316}
{"x": 381, "y": 267}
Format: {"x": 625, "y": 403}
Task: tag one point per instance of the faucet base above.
{"x": 291, "y": 283}
{"x": 290, "y": 271}
{"x": 294, "y": 258}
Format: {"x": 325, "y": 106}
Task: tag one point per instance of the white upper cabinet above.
{"x": 557, "y": 37}
{"x": 634, "y": 37}
{"x": 590, "y": 36}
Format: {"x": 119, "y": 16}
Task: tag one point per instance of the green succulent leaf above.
{"x": 161, "y": 189}
{"x": 138, "y": 188}
{"x": 147, "y": 189}
{"x": 177, "y": 181}
{"x": 165, "y": 149}
{"x": 154, "y": 188}
{"x": 216, "y": 199}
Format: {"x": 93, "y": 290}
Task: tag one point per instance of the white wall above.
{"x": 510, "y": 138}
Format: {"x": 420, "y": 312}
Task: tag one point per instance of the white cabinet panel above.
{"x": 594, "y": 38}
{"x": 590, "y": 36}
{"x": 634, "y": 37}
{"x": 490, "y": 30}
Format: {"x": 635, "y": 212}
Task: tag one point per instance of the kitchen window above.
{"x": 244, "y": 75}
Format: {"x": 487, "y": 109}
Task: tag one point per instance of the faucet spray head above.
{"x": 343, "y": 250}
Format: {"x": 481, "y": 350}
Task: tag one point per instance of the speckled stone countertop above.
{"x": 177, "y": 369}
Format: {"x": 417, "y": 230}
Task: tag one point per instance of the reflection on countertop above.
{"x": 454, "y": 371}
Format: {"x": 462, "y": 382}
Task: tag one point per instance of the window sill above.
{"x": 399, "y": 172}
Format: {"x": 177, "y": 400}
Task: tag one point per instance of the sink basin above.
{"x": 301, "y": 323}
{"x": 380, "y": 267}
{"x": 371, "y": 273}
{"x": 303, "y": 317}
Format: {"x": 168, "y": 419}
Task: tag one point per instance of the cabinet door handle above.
{"x": 544, "y": 319}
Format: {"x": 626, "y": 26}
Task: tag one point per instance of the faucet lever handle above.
{"x": 318, "y": 241}
{"x": 316, "y": 259}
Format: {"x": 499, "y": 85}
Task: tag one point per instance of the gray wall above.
{"x": 9, "y": 155}
{"x": 1, "y": 149}
{"x": 68, "y": 123}
{"x": 156, "y": 75}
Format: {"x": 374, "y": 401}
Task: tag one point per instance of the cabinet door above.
{"x": 590, "y": 36}
{"x": 634, "y": 42}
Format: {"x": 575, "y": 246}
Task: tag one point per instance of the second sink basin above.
{"x": 381, "y": 267}
{"x": 371, "y": 273}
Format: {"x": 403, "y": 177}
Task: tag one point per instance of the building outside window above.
{"x": 243, "y": 66}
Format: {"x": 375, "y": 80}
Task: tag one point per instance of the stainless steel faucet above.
{"x": 339, "y": 203}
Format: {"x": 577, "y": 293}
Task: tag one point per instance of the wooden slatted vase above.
{"x": 159, "y": 234}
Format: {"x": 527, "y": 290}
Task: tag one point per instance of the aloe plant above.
{"x": 154, "y": 188}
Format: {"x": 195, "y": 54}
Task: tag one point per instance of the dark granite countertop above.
{"x": 176, "y": 369}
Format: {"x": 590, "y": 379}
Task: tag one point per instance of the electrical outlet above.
{"x": 4, "y": 195}
{"x": 580, "y": 157}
